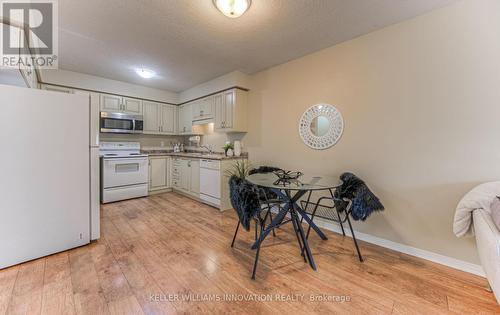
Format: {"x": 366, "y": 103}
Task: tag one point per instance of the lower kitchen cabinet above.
{"x": 194, "y": 185}
{"x": 186, "y": 176}
{"x": 159, "y": 173}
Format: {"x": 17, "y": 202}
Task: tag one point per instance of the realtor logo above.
{"x": 31, "y": 34}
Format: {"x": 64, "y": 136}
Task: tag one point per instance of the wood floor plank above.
{"x": 27, "y": 293}
{"x": 140, "y": 280}
{"x": 168, "y": 254}
{"x": 87, "y": 292}
{"x": 125, "y": 306}
{"x": 8, "y": 278}
{"x": 58, "y": 289}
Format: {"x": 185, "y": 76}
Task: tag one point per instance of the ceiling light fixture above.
{"x": 232, "y": 8}
{"x": 145, "y": 73}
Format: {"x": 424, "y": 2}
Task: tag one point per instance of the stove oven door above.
{"x": 121, "y": 172}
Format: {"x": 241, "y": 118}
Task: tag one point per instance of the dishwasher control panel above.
{"x": 210, "y": 164}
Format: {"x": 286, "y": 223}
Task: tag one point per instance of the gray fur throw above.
{"x": 364, "y": 202}
{"x": 244, "y": 199}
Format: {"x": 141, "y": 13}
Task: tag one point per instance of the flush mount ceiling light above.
{"x": 145, "y": 73}
{"x": 232, "y": 8}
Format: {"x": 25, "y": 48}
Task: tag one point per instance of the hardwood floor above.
{"x": 155, "y": 248}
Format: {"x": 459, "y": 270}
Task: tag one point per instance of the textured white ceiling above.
{"x": 188, "y": 42}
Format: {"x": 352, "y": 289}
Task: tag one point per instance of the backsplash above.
{"x": 144, "y": 140}
{"x": 152, "y": 142}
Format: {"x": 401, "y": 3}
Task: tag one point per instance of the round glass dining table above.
{"x": 290, "y": 193}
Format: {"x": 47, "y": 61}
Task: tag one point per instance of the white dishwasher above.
{"x": 210, "y": 182}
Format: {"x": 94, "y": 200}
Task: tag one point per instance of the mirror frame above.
{"x": 335, "y": 130}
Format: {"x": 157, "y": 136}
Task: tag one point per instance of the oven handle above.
{"x": 127, "y": 160}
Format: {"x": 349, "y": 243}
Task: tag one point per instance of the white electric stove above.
{"x": 124, "y": 171}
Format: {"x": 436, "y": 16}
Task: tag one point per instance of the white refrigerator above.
{"x": 45, "y": 178}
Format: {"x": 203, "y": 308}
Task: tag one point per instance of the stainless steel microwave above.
{"x": 121, "y": 123}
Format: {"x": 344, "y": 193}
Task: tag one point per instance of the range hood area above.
{"x": 203, "y": 121}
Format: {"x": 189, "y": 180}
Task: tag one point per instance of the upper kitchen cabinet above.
{"x": 151, "y": 116}
{"x": 159, "y": 119}
{"x": 203, "y": 108}
{"x": 115, "y": 103}
{"x": 186, "y": 119}
{"x": 168, "y": 119}
{"x": 231, "y": 111}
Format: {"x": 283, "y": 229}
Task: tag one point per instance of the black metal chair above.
{"x": 266, "y": 196}
{"x": 321, "y": 210}
{"x": 352, "y": 199}
{"x": 247, "y": 203}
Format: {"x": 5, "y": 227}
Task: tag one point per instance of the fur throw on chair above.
{"x": 263, "y": 170}
{"x": 364, "y": 202}
{"x": 244, "y": 199}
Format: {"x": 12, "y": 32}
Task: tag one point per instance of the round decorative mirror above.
{"x": 321, "y": 126}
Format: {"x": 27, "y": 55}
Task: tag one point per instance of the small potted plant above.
{"x": 228, "y": 146}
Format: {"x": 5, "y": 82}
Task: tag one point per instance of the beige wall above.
{"x": 235, "y": 78}
{"x": 90, "y": 82}
{"x": 421, "y": 103}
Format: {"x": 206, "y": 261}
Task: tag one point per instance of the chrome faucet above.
{"x": 209, "y": 148}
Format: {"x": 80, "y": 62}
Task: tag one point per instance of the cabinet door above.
{"x": 186, "y": 119}
{"x": 219, "y": 110}
{"x": 195, "y": 177}
{"x": 185, "y": 175}
{"x": 176, "y": 173}
{"x": 196, "y": 108}
{"x": 151, "y": 118}
{"x": 182, "y": 127}
{"x": 111, "y": 103}
{"x": 228, "y": 108}
{"x": 158, "y": 173}
{"x": 168, "y": 119}
{"x": 132, "y": 106}
{"x": 207, "y": 107}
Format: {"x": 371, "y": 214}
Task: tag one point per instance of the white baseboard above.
{"x": 413, "y": 251}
